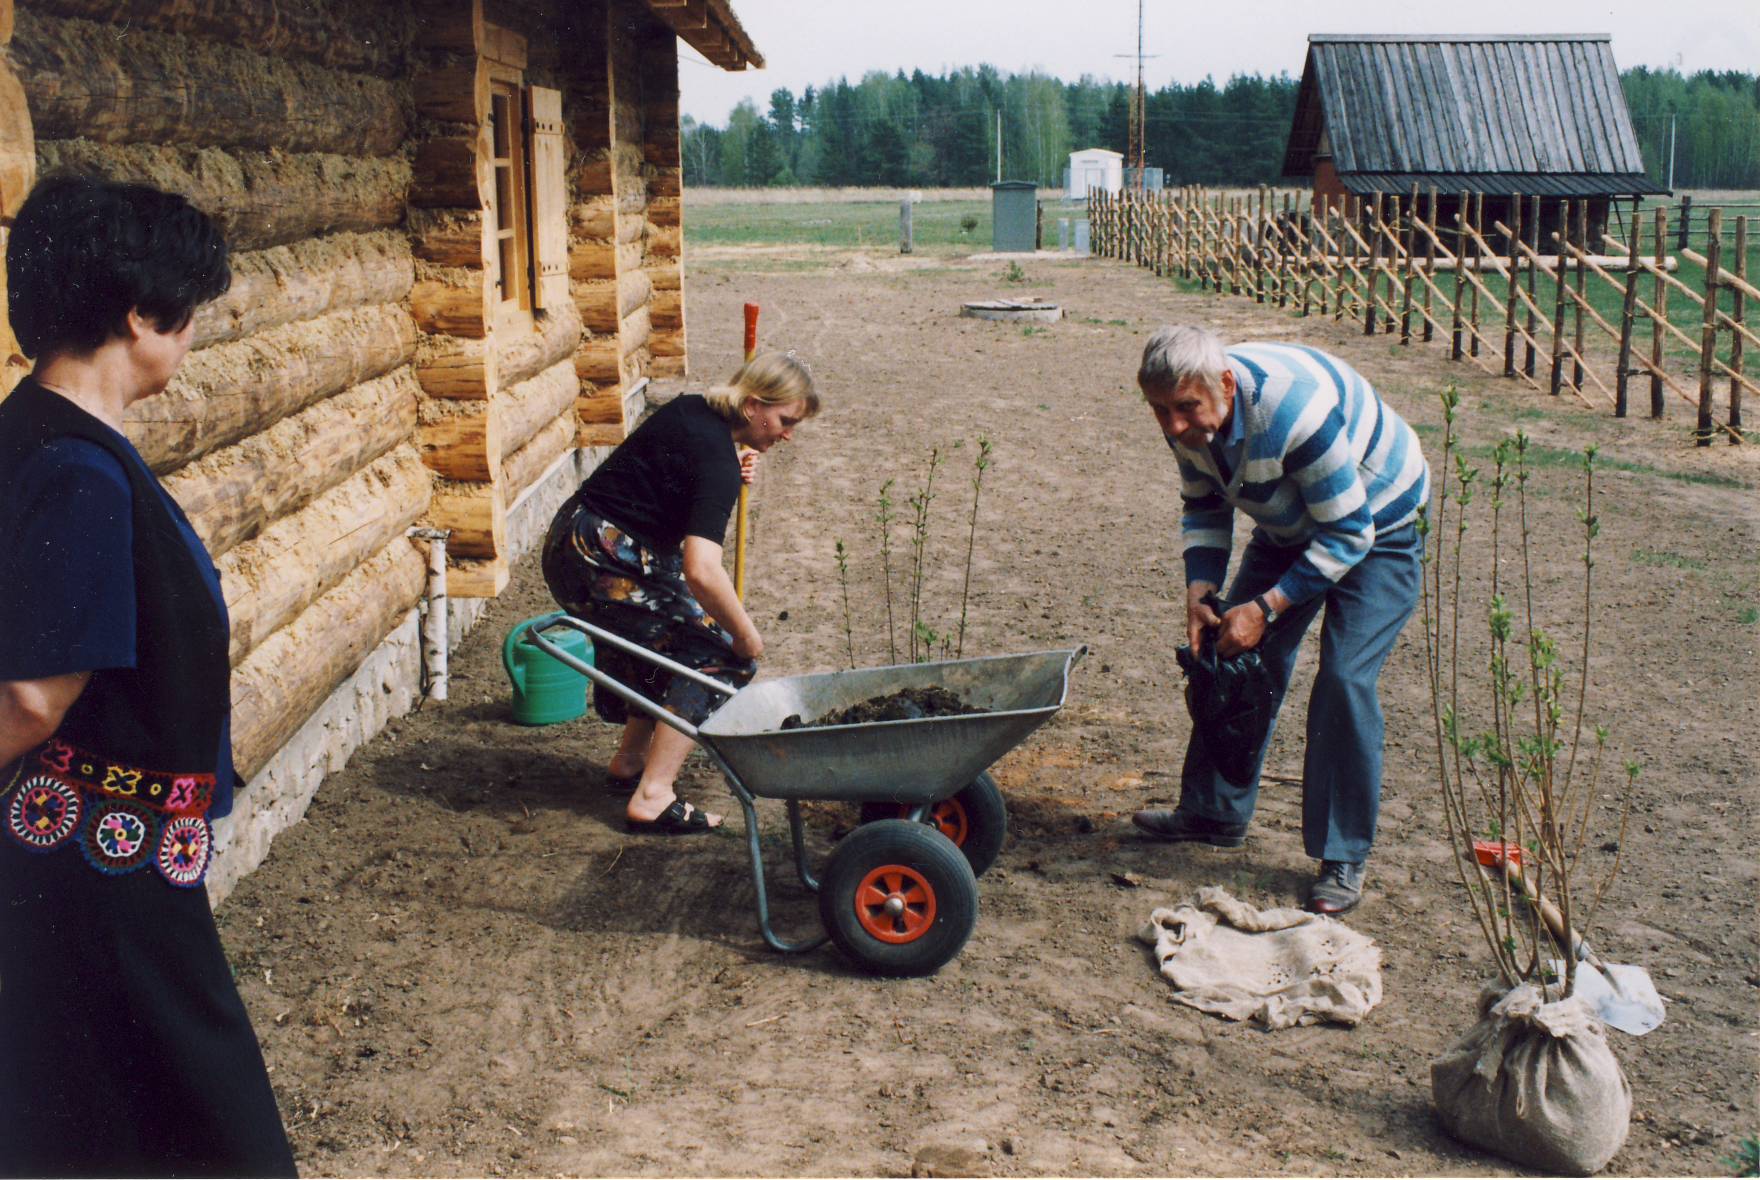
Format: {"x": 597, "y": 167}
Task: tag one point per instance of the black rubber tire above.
{"x": 931, "y": 859}
{"x": 986, "y": 820}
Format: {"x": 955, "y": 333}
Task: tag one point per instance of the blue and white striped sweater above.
{"x": 1315, "y": 458}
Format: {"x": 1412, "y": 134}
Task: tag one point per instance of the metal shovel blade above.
{"x": 1624, "y": 996}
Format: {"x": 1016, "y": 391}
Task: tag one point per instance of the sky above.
{"x": 806, "y": 42}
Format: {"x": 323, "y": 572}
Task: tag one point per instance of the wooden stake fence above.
{"x": 1379, "y": 262}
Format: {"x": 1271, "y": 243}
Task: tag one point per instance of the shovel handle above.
{"x": 1549, "y": 913}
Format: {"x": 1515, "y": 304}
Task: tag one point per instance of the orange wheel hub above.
{"x": 895, "y": 903}
{"x": 948, "y": 817}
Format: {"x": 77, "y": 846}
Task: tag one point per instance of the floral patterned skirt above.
{"x": 598, "y": 572}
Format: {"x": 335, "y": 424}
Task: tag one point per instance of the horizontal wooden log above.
{"x": 456, "y": 92}
{"x": 287, "y": 677}
{"x": 635, "y": 364}
{"x": 502, "y": 46}
{"x": 298, "y": 282}
{"x": 455, "y": 25}
{"x": 668, "y": 183}
{"x": 231, "y": 495}
{"x": 666, "y": 211}
{"x": 593, "y": 219}
{"x": 595, "y": 361}
{"x": 668, "y": 366}
{"x": 230, "y": 391}
{"x": 667, "y": 344}
{"x": 592, "y": 260}
{"x": 523, "y": 350}
{"x": 664, "y": 242}
{"x": 87, "y": 82}
{"x": 629, "y": 254}
{"x": 364, "y": 35}
{"x": 634, "y": 288}
{"x": 477, "y": 516}
{"x": 666, "y": 311}
{"x": 270, "y": 580}
{"x": 597, "y": 304}
{"x": 635, "y": 331}
{"x": 599, "y": 434}
{"x": 631, "y": 226}
{"x": 258, "y": 199}
{"x": 445, "y": 173}
{"x": 523, "y": 468}
{"x": 450, "y": 310}
{"x": 461, "y": 440}
{"x": 528, "y": 407}
{"x": 476, "y": 579}
{"x": 594, "y": 175}
{"x": 18, "y": 146}
{"x": 448, "y": 237}
{"x": 451, "y": 367}
{"x": 601, "y": 407}
{"x": 667, "y": 275}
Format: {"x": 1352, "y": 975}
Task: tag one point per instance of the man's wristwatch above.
{"x": 1259, "y": 601}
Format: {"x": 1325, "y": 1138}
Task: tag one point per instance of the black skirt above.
{"x": 125, "y": 1049}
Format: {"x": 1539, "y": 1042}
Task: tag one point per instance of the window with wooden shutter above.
{"x": 509, "y": 222}
{"x": 549, "y": 160}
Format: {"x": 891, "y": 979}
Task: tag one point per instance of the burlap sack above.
{"x": 1536, "y": 1083}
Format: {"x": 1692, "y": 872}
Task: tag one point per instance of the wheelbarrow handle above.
{"x": 660, "y": 713}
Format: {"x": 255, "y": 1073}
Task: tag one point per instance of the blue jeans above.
{"x": 1341, "y": 771}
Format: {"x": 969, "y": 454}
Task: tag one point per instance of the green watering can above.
{"x": 545, "y": 690}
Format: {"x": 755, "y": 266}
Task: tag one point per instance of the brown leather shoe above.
{"x": 1184, "y": 827}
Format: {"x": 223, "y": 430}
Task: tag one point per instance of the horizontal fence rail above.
{"x": 1592, "y": 308}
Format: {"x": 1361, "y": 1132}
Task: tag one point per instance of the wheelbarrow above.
{"x": 898, "y": 895}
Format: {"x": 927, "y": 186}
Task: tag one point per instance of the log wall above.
{"x": 362, "y": 375}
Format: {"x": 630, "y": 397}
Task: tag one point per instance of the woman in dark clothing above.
{"x": 637, "y": 551}
{"x": 124, "y": 1046}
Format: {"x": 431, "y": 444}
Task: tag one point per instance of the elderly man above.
{"x": 1333, "y": 481}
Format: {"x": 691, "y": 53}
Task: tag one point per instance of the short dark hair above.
{"x": 84, "y": 252}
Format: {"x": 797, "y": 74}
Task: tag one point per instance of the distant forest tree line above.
{"x": 922, "y": 131}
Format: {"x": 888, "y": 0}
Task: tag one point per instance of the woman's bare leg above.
{"x": 666, "y": 754}
{"x": 632, "y": 752}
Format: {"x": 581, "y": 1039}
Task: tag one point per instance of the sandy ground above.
{"x": 460, "y": 964}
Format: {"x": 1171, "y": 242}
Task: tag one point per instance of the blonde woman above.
{"x": 637, "y": 551}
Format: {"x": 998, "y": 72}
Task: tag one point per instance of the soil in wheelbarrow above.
{"x": 460, "y": 963}
{"x": 907, "y": 704}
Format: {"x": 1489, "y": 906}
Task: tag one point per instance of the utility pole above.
{"x": 1137, "y": 148}
{"x": 1671, "y": 120}
{"x": 998, "y": 145}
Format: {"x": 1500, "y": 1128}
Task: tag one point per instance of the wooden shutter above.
{"x": 549, "y": 197}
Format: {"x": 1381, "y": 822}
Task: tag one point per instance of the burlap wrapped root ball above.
{"x": 1535, "y": 1082}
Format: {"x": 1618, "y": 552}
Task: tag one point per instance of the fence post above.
{"x": 1374, "y": 266}
{"x": 1659, "y": 313}
{"x": 1430, "y": 271}
{"x": 1478, "y": 224}
{"x": 1455, "y": 351}
{"x": 1628, "y": 315}
{"x": 1708, "y": 333}
{"x": 1529, "y": 350}
{"x": 1513, "y": 279}
{"x": 1686, "y": 220}
{"x": 904, "y": 226}
{"x": 1582, "y": 292}
{"x": 1408, "y": 244}
{"x": 1738, "y": 314}
{"x": 1563, "y": 237}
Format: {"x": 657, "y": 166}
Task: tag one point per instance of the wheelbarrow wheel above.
{"x": 975, "y": 819}
{"x": 898, "y": 898}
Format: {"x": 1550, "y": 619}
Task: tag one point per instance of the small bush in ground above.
{"x": 1014, "y": 274}
{"x": 968, "y": 223}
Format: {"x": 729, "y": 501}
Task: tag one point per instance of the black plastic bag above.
{"x": 1232, "y": 702}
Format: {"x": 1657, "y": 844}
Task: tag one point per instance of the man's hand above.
{"x": 1242, "y": 629}
{"x": 748, "y": 466}
{"x": 1198, "y": 613}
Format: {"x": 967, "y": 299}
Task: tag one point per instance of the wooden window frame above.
{"x": 509, "y": 210}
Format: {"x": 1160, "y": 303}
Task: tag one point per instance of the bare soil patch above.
{"x": 461, "y": 964}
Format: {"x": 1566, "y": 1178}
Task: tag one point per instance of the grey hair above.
{"x": 1177, "y": 352}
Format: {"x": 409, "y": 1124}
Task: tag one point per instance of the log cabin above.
{"x": 457, "y": 249}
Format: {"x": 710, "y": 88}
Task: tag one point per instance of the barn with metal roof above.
{"x": 1539, "y": 115}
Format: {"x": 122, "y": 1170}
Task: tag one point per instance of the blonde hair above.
{"x": 773, "y": 378}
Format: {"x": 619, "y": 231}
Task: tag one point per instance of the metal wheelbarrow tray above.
{"x": 899, "y": 894}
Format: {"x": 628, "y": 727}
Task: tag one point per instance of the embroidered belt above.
{"x": 120, "y": 816}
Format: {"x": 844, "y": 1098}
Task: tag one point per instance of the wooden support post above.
{"x": 1338, "y": 276}
{"x": 1529, "y": 352}
{"x": 1258, "y": 242}
{"x": 1686, "y": 220}
{"x": 1582, "y": 284}
{"x": 1478, "y": 224}
{"x": 904, "y": 226}
{"x": 1430, "y": 269}
{"x": 1659, "y": 301}
{"x": 1708, "y": 333}
{"x": 1408, "y": 249}
{"x": 1460, "y": 279}
{"x": 1738, "y": 314}
{"x": 1509, "y": 314}
{"x": 1375, "y": 235}
{"x": 1628, "y": 320}
{"x": 1563, "y": 240}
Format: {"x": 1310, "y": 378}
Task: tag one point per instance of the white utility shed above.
{"x": 1094, "y": 168}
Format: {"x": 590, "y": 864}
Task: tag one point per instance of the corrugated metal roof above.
{"x": 1502, "y": 184}
{"x": 1529, "y": 105}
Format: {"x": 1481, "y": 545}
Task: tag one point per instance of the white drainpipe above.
{"x": 434, "y": 624}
